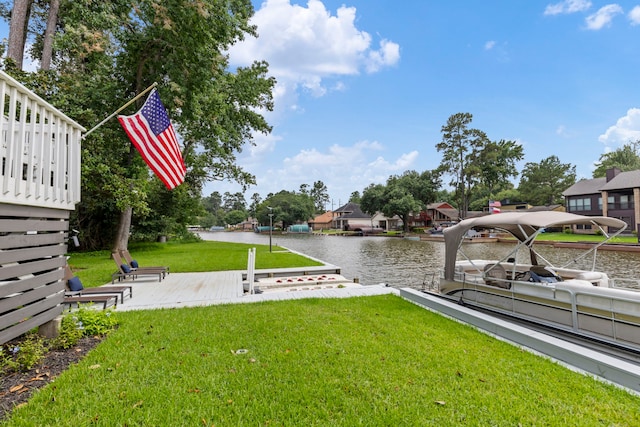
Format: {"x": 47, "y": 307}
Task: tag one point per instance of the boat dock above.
{"x": 228, "y": 287}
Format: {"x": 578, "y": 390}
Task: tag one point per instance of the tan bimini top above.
{"x": 524, "y": 226}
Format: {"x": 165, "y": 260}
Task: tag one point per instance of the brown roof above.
{"x": 324, "y": 218}
{"x": 585, "y": 186}
{"x": 439, "y": 205}
{"x": 623, "y": 180}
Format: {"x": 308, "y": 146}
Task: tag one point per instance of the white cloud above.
{"x": 343, "y": 169}
{"x": 387, "y": 55}
{"x": 634, "y": 16}
{"x": 603, "y": 17}
{"x": 489, "y": 45}
{"x": 625, "y": 130}
{"x": 305, "y": 46}
{"x": 567, "y": 6}
{"x": 263, "y": 144}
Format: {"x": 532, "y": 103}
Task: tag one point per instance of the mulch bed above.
{"x": 17, "y": 387}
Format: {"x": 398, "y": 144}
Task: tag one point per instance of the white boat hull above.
{"x": 606, "y": 314}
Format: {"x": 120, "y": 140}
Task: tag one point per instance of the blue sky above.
{"x": 364, "y": 86}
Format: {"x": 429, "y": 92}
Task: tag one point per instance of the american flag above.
{"x": 153, "y": 135}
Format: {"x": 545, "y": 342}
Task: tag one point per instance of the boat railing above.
{"x": 586, "y": 311}
{"x": 431, "y": 281}
{"x": 627, "y": 284}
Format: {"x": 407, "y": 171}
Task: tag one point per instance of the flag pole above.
{"x": 120, "y": 109}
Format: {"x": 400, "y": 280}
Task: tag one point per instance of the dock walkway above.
{"x": 222, "y": 287}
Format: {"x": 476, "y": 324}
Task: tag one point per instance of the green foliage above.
{"x": 497, "y": 162}
{"x": 478, "y": 167}
{"x": 288, "y": 208}
{"x": 355, "y": 197}
{"x": 235, "y": 217}
{"x": 403, "y": 195}
{"x": 625, "y": 158}
{"x": 95, "y": 322}
{"x": 108, "y": 52}
{"x": 460, "y": 146}
{"x": 27, "y": 351}
{"x": 24, "y": 355}
{"x": 482, "y": 195}
{"x": 70, "y": 332}
{"x": 320, "y": 195}
{"x": 234, "y": 202}
{"x": 543, "y": 183}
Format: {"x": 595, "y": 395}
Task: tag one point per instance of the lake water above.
{"x": 403, "y": 262}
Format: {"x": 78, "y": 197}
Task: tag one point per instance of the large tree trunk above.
{"x": 47, "y": 48}
{"x": 18, "y": 30}
{"x": 122, "y": 237}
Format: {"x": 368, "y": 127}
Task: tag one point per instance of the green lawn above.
{"x": 374, "y": 361}
{"x": 570, "y": 237}
{"x": 358, "y": 361}
{"x": 95, "y": 268}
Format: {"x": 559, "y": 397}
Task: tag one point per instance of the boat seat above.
{"x": 543, "y": 274}
{"x": 495, "y": 275}
{"x": 596, "y": 278}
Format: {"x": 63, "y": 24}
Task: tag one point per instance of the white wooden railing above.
{"x": 39, "y": 149}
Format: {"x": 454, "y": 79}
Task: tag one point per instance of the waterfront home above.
{"x": 613, "y": 195}
{"x": 379, "y": 220}
{"x": 322, "y": 222}
{"x": 441, "y": 212}
{"x": 350, "y": 217}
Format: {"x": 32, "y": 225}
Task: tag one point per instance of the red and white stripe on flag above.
{"x": 152, "y": 133}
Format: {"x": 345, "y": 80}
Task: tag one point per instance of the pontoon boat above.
{"x": 525, "y": 285}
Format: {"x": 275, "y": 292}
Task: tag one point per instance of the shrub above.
{"x": 95, "y": 322}
{"x": 70, "y": 332}
{"x": 24, "y": 354}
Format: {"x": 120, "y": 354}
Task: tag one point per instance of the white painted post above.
{"x": 251, "y": 268}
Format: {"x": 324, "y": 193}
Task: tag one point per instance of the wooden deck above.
{"x": 222, "y": 287}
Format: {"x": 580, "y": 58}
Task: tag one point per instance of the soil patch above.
{"x": 17, "y": 387}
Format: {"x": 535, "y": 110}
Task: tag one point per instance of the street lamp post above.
{"x": 270, "y": 225}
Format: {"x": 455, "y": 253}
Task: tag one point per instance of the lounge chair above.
{"x": 133, "y": 264}
{"x": 105, "y": 300}
{"x": 75, "y": 288}
{"x": 124, "y": 271}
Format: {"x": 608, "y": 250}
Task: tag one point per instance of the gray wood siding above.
{"x": 33, "y": 243}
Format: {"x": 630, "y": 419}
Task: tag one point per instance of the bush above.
{"x": 70, "y": 333}
{"x": 95, "y": 322}
{"x": 24, "y": 354}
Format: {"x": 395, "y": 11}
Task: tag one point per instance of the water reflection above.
{"x": 402, "y": 262}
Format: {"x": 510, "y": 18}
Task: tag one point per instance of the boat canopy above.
{"x": 522, "y": 225}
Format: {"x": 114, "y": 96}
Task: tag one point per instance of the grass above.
{"x": 95, "y": 268}
{"x": 344, "y": 362}
{"x": 571, "y": 237}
